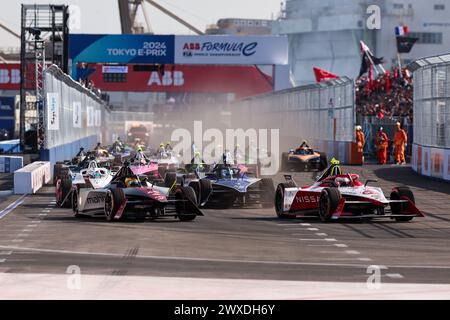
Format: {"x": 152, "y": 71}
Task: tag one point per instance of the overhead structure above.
{"x": 44, "y": 40}
{"x": 128, "y": 11}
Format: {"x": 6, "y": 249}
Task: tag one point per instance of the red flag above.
{"x": 323, "y": 75}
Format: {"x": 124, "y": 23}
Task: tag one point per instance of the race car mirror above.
{"x": 368, "y": 181}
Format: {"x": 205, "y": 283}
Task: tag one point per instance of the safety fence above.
{"x": 370, "y": 126}
{"x": 321, "y": 113}
{"x": 74, "y": 116}
{"x": 431, "y": 148}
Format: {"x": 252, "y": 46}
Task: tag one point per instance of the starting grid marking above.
{"x": 322, "y": 235}
{"x": 25, "y": 231}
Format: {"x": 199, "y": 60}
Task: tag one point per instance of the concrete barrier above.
{"x": 431, "y": 162}
{"x": 32, "y": 177}
{"x": 9, "y": 164}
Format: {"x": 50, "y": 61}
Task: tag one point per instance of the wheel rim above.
{"x": 109, "y": 205}
{"x": 75, "y": 202}
{"x": 323, "y": 206}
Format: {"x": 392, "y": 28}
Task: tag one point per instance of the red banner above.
{"x": 244, "y": 81}
{"x": 9, "y": 76}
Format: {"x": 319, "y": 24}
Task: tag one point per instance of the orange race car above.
{"x": 304, "y": 158}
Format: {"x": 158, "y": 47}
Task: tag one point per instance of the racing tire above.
{"x": 206, "y": 190}
{"x": 268, "y": 193}
{"x": 182, "y": 208}
{"x": 396, "y": 208}
{"x": 328, "y": 202}
{"x": 74, "y": 204}
{"x": 56, "y": 171}
{"x": 195, "y": 185}
{"x": 279, "y": 201}
{"x": 323, "y": 162}
{"x": 170, "y": 179}
{"x": 113, "y": 200}
{"x": 63, "y": 188}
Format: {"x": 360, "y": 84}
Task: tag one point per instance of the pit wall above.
{"x": 431, "y": 162}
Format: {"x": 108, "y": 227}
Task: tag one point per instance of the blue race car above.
{"x": 231, "y": 187}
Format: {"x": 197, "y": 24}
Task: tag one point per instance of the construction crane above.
{"x": 128, "y": 11}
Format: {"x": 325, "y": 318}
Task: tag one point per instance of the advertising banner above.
{"x": 90, "y": 116}
{"x": 9, "y": 76}
{"x": 76, "y": 114}
{"x": 118, "y": 48}
{"x": 53, "y": 108}
{"x": 447, "y": 164}
{"x": 97, "y": 118}
{"x": 238, "y": 50}
{"x": 437, "y": 163}
{"x": 242, "y": 80}
{"x": 426, "y": 159}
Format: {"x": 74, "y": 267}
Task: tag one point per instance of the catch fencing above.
{"x": 431, "y": 149}
{"x": 74, "y": 116}
{"x": 323, "y": 114}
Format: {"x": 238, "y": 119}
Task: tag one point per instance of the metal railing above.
{"x": 317, "y": 112}
{"x": 432, "y": 101}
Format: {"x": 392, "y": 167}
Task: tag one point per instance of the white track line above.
{"x": 326, "y": 239}
{"x": 12, "y": 206}
{"x": 394, "y": 275}
{"x": 119, "y": 255}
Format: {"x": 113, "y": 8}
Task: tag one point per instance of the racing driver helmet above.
{"x": 131, "y": 182}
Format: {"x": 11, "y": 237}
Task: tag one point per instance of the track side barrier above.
{"x": 9, "y": 164}
{"x": 32, "y": 177}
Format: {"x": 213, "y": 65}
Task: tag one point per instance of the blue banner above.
{"x": 121, "y": 48}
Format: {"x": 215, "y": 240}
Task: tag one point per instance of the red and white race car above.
{"x": 337, "y": 195}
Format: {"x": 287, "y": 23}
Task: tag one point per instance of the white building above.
{"x": 326, "y": 33}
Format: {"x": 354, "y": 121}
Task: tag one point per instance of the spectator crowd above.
{"x": 389, "y": 95}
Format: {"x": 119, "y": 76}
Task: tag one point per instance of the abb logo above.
{"x": 191, "y": 46}
{"x": 307, "y": 199}
{"x": 11, "y": 76}
{"x": 169, "y": 78}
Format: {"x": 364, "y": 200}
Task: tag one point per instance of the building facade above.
{"x": 326, "y": 33}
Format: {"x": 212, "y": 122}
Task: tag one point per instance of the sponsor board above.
{"x": 447, "y": 164}
{"x": 76, "y": 114}
{"x": 9, "y": 76}
{"x": 264, "y": 50}
{"x": 437, "y": 163}
{"x": 118, "y": 48}
{"x": 243, "y": 81}
{"x": 53, "y": 107}
{"x": 432, "y": 162}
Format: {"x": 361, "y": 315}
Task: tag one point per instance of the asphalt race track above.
{"x": 244, "y": 247}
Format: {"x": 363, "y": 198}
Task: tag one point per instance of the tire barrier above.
{"x": 32, "y": 177}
